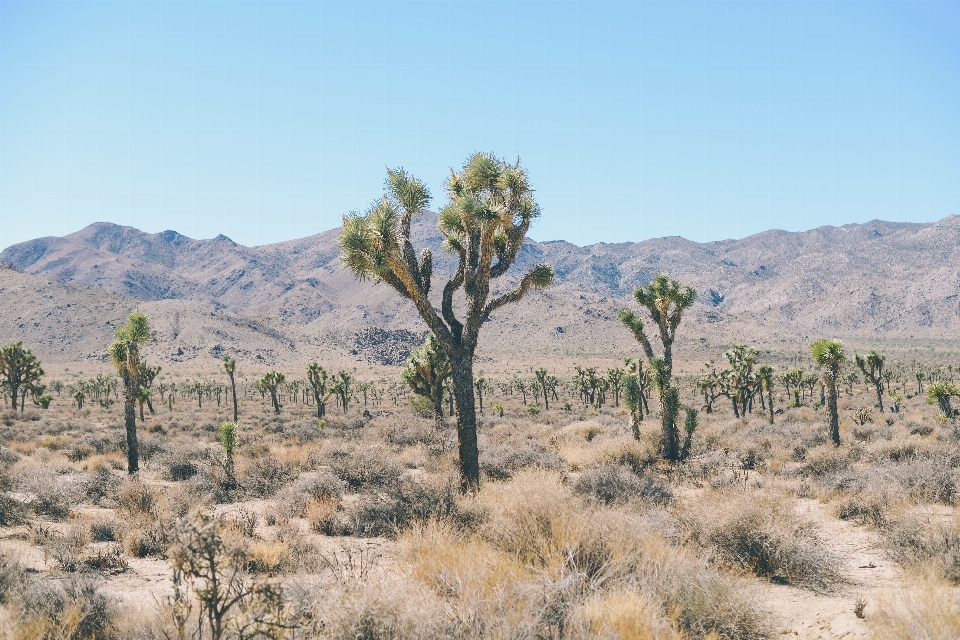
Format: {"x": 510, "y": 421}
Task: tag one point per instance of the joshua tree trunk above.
{"x": 462, "y": 374}
{"x": 832, "y": 409}
{"x": 770, "y": 403}
{"x": 670, "y": 438}
{"x": 130, "y": 418}
{"x": 233, "y": 389}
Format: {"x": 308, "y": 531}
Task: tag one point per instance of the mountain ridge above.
{"x": 877, "y": 278}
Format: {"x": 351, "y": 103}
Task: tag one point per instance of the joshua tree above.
{"x": 480, "y": 384}
{"x": 666, "y": 301}
{"x": 615, "y": 378}
{"x": 765, "y": 377}
{"x": 490, "y": 210}
{"x": 199, "y": 388}
{"x": 79, "y": 397}
{"x": 227, "y": 435}
{"x": 426, "y": 371}
{"x": 125, "y": 353}
{"x": 230, "y": 366}
{"x": 342, "y": 387}
{"x": 19, "y": 371}
{"x": 143, "y": 397}
{"x": 271, "y": 381}
{"x": 317, "y": 377}
{"x": 544, "y": 380}
{"x": 939, "y": 393}
{"x": 872, "y": 368}
{"x": 829, "y": 356}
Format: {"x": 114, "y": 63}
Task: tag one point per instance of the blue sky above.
{"x": 266, "y": 121}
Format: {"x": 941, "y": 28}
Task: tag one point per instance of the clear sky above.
{"x": 266, "y": 121}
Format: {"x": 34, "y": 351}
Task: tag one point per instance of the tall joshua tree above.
{"x": 230, "y": 366}
{"x": 829, "y": 356}
{"x": 426, "y": 371}
{"x": 125, "y": 353}
{"x": 490, "y": 209}
{"x": 665, "y": 300}
{"x": 872, "y": 368}
{"x": 317, "y": 376}
{"x": 767, "y": 382}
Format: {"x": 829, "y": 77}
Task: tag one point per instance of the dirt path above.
{"x": 802, "y": 613}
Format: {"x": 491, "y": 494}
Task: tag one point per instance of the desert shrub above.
{"x": 81, "y": 450}
{"x": 179, "y": 464}
{"x": 866, "y": 507}
{"x": 50, "y": 494}
{"x": 763, "y": 536}
{"x": 12, "y": 512}
{"x": 384, "y": 609}
{"x": 930, "y": 480}
{"x": 929, "y": 611}
{"x": 322, "y": 485}
{"x": 500, "y": 461}
{"x": 921, "y": 430}
{"x": 413, "y": 501}
{"x": 100, "y": 484}
{"x": 614, "y": 484}
{"x": 824, "y": 462}
{"x": 136, "y": 499}
{"x": 105, "y": 531}
{"x": 267, "y": 475}
{"x": 915, "y": 541}
{"x": 107, "y": 557}
{"x": 368, "y": 468}
{"x": 74, "y": 608}
{"x": 151, "y": 540}
{"x": 12, "y": 578}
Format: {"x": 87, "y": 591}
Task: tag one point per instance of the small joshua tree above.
{"x": 426, "y": 371}
{"x": 19, "y": 371}
{"x": 665, "y": 300}
{"x": 227, "y": 436}
{"x": 939, "y": 393}
{"x": 125, "y": 353}
{"x": 829, "y": 356}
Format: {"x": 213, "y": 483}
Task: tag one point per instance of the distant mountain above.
{"x": 878, "y": 279}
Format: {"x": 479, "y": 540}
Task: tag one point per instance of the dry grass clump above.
{"x": 71, "y": 609}
{"x": 931, "y": 611}
{"x": 544, "y": 562}
{"x": 761, "y": 534}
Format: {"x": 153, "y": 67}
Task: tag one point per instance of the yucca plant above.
{"x": 426, "y": 371}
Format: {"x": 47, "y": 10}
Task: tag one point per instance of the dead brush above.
{"x": 761, "y": 535}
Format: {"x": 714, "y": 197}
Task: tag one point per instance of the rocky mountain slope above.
{"x": 291, "y": 300}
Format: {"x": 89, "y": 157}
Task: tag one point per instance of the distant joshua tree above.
{"x": 342, "y": 387}
{"x": 20, "y": 372}
{"x": 317, "y": 377}
{"x": 490, "y": 210}
{"x": 230, "y": 366}
{"x": 665, "y": 300}
{"x": 767, "y": 382}
{"x": 829, "y": 356}
{"x": 940, "y": 393}
{"x": 125, "y": 353}
{"x": 271, "y": 381}
{"x": 872, "y": 369}
{"x": 426, "y": 371}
